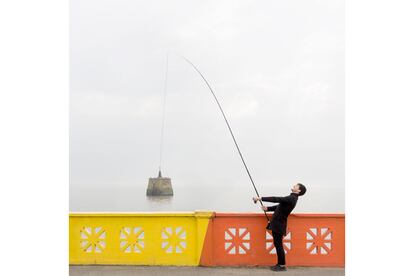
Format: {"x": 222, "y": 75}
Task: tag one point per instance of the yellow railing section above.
{"x": 137, "y": 238}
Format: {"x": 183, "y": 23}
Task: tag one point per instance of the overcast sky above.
{"x": 276, "y": 66}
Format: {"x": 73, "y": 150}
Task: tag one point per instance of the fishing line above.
{"x": 163, "y": 114}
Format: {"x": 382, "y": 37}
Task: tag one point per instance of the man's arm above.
{"x": 271, "y": 208}
{"x": 276, "y": 199}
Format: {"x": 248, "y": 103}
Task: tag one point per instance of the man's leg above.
{"x": 278, "y": 242}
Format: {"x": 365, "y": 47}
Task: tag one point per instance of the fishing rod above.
{"x": 231, "y": 132}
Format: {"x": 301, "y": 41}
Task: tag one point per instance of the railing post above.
{"x": 203, "y": 221}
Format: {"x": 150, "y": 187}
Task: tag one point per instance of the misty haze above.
{"x": 277, "y": 68}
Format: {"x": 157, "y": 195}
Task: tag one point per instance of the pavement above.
{"x": 125, "y": 270}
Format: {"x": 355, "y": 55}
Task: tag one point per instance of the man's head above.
{"x": 299, "y": 189}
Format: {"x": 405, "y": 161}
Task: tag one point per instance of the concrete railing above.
{"x": 203, "y": 238}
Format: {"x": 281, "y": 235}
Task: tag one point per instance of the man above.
{"x": 278, "y": 223}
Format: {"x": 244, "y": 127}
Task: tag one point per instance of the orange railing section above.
{"x": 240, "y": 239}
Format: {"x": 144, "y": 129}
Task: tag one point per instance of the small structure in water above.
{"x": 159, "y": 186}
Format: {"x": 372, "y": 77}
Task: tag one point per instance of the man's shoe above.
{"x": 278, "y": 268}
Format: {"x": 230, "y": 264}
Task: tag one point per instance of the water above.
{"x": 319, "y": 199}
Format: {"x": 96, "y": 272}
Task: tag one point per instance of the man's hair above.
{"x": 302, "y": 189}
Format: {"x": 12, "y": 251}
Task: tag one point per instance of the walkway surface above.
{"x": 197, "y": 271}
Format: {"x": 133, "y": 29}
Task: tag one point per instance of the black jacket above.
{"x": 278, "y": 223}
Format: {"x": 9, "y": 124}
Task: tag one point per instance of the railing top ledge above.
{"x": 298, "y": 215}
{"x": 198, "y": 214}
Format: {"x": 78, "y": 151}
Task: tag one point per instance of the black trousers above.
{"x": 278, "y": 242}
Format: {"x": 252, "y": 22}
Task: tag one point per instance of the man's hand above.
{"x": 256, "y": 199}
{"x": 264, "y": 208}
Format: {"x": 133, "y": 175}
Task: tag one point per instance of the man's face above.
{"x": 295, "y": 188}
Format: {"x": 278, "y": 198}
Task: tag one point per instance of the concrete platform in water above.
{"x": 159, "y": 186}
